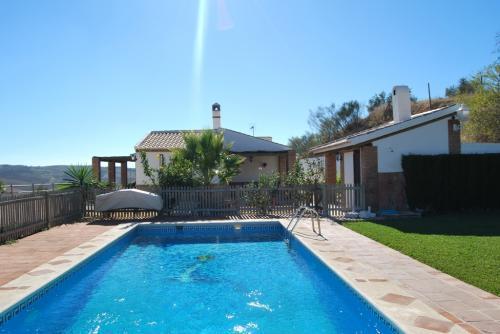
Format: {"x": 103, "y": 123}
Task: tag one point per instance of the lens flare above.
{"x": 224, "y": 21}
{"x": 199, "y": 45}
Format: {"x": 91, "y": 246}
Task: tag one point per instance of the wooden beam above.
{"x": 116, "y": 158}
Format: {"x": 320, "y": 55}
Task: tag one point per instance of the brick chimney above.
{"x": 401, "y": 105}
{"x": 216, "y": 115}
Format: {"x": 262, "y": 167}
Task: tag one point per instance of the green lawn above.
{"x": 466, "y": 246}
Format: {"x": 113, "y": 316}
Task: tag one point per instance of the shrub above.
{"x": 452, "y": 182}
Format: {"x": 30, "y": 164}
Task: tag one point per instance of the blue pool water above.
{"x": 200, "y": 282}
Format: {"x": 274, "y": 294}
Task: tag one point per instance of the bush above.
{"x": 261, "y": 193}
{"x": 452, "y": 182}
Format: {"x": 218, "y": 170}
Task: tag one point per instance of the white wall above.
{"x": 250, "y": 169}
{"x": 154, "y": 162}
{"x": 478, "y": 148}
{"x": 348, "y": 167}
{"x": 428, "y": 139}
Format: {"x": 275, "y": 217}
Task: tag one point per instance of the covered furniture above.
{"x": 128, "y": 199}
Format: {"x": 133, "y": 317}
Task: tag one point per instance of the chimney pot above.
{"x": 216, "y": 115}
{"x": 401, "y": 104}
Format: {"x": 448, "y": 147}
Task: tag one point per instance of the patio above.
{"x": 416, "y": 296}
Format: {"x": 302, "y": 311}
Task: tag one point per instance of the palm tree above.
{"x": 230, "y": 167}
{"x": 210, "y": 157}
{"x": 79, "y": 177}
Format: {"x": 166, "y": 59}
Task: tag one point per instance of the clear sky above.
{"x": 84, "y": 78}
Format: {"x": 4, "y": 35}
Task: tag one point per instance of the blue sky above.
{"x": 83, "y": 78}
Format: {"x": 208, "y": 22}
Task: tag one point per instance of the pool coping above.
{"x": 24, "y": 290}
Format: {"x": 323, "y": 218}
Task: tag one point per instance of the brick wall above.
{"x": 286, "y": 162}
{"x": 369, "y": 175}
{"x": 330, "y": 168}
{"x": 454, "y": 136}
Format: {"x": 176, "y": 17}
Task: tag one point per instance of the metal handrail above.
{"x": 299, "y": 214}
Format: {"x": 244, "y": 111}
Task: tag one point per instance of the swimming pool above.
{"x": 201, "y": 278}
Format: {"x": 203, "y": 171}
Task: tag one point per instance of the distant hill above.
{"x": 20, "y": 174}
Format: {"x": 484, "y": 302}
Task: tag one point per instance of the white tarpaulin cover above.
{"x": 128, "y": 199}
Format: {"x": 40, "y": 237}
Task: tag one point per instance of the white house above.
{"x": 261, "y": 153}
{"x": 373, "y": 157}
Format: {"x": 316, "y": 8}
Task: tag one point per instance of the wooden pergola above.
{"x": 112, "y": 161}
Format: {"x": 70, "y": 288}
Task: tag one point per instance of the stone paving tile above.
{"x": 492, "y": 327}
{"x": 470, "y": 328}
{"x": 40, "y": 272}
{"x": 449, "y": 316}
{"x": 433, "y": 324}
{"x": 493, "y": 313}
{"x": 398, "y": 299}
{"x": 343, "y": 259}
{"x": 87, "y": 246}
{"x": 59, "y": 262}
{"x": 473, "y": 316}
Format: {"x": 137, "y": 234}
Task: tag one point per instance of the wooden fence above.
{"x": 22, "y": 216}
{"x": 330, "y": 200}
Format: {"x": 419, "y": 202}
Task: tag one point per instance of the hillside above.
{"x": 20, "y": 174}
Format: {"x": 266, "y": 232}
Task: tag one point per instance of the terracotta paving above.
{"x": 373, "y": 268}
{"x": 28, "y": 253}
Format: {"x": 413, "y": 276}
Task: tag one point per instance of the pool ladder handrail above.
{"x": 299, "y": 214}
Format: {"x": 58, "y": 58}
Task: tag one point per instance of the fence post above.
{"x": 325, "y": 200}
{"x": 84, "y": 194}
{"x": 238, "y": 201}
{"x": 47, "y": 209}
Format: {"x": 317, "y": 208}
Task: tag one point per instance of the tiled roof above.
{"x": 172, "y": 139}
{"x": 162, "y": 140}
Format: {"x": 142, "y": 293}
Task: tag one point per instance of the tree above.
{"x": 230, "y": 167}
{"x": 332, "y": 124}
{"x": 79, "y": 177}
{"x": 302, "y": 144}
{"x": 262, "y": 192}
{"x": 2, "y": 187}
{"x": 378, "y": 100}
{"x": 464, "y": 86}
{"x": 309, "y": 171}
{"x": 483, "y": 124}
{"x": 178, "y": 172}
{"x": 210, "y": 156}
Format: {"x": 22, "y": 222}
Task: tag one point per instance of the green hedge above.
{"x": 452, "y": 182}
